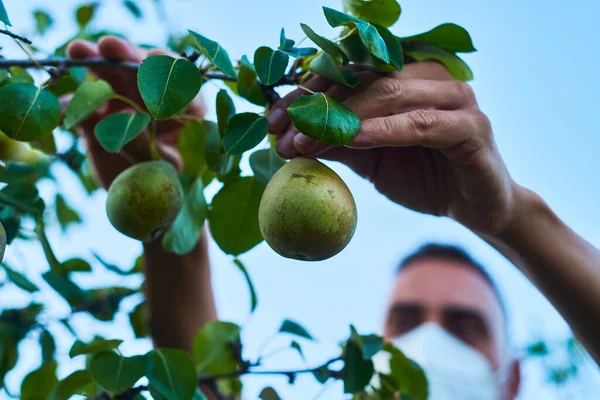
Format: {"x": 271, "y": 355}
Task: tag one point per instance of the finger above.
{"x": 285, "y": 145}
{"x": 429, "y": 69}
{"x": 468, "y": 129}
{"x": 278, "y": 117}
{"x": 388, "y": 96}
{"x": 311, "y": 147}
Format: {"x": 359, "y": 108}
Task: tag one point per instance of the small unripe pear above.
{"x": 2, "y": 242}
{"x": 307, "y": 212}
{"x": 144, "y": 200}
{"x": 14, "y": 150}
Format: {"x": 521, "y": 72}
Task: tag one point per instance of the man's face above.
{"x": 454, "y": 296}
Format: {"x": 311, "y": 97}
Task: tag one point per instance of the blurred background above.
{"x": 535, "y": 77}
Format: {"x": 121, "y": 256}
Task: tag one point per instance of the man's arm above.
{"x": 178, "y": 293}
{"x": 178, "y": 288}
{"x": 563, "y": 266}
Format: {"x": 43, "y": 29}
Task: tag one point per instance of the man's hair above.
{"x": 451, "y": 253}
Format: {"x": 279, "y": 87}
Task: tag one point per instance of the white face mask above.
{"x": 454, "y": 370}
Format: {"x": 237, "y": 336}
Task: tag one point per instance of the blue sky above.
{"x": 535, "y": 77}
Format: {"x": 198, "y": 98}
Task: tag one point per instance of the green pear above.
{"x": 144, "y": 200}
{"x": 2, "y": 242}
{"x": 307, "y": 212}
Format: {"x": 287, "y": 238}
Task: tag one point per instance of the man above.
{"x": 425, "y": 145}
{"x": 446, "y": 314}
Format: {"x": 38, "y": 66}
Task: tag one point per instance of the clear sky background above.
{"x": 535, "y": 77}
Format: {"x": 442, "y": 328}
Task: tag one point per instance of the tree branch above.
{"x": 291, "y": 374}
{"x": 15, "y": 36}
{"x": 64, "y": 63}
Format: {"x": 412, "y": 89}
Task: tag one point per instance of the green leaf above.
{"x": 76, "y": 383}
{"x": 172, "y": 373}
{"x": 96, "y": 345}
{"x": 322, "y": 118}
{"x": 406, "y": 375}
{"x": 294, "y": 328}
{"x": 327, "y": 45}
{"x": 285, "y": 43}
{"x": 4, "y": 14}
{"x": 137, "y": 268}
{"x": 253, "y": 298}
{"x": 369, "y": 345}
{"x": 322, "y": 374}
{"x": 39, "y": 384}
{"x": 28, "y": 113}
{"x": 380, "y": 12}
{"x": 138, "y": 319}
{"x": 167, "y": 85}
{"x": 75, "y": 265}
{"x": 191, "y": 147}
{"x": 264, "y": 164}
{"x": 8, "y": 353}
{"x": 449, "y": 37}
{"x": 66, "y": 288}
{"x": 296, "y": 345}
{"x": 43, "y": 21}
{"x": 69, "y": 82}
{"x": 105, "y": 302}
{"x": 17, "y": 172}
{"x": 65, "y": 214}
{"x": 133, "y": 8}
{"x": 421, "y": 51}
{"x": 247, "y": 85}
{"x": 538, "y": 349}
{"x": 270, "y": 64}
{"x": 325, "y": 66}
{"x": 88, "y": 98}
{"x": 269, "y": 393}
{"x": 225, "y": 110}
{"x": 48, "y": 347}
{"x": 233, "y": 216}
{"x": 19, "y": 75}
{"x": 287, "y": 46}
{"x": 184, "y": 232}
{"x": 215, "y": 53}
{"x": 19, "y": 279}
{"x": 85, "y": 13}
{"x": 357, "y": 371}
{"x": 244, "y": 132}
{"x": 116, "y": 130}
{"x": 23, "y": 197}
{"x": 114, "y": 372}
{"x": 367, "y": 32}
{"x": 214, "y": 346}
{"x": 393, "y": 47}
{"x": 216, "y": 158}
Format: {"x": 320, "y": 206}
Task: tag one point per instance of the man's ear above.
{"x": 513, "y": 384}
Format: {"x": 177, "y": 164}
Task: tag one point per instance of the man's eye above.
{"x": 403, "y": 322}
{"x": 468, "y": 329}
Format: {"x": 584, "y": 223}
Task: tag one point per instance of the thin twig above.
{"x": 289, "y": 373}
{"x": 15, "y": 36}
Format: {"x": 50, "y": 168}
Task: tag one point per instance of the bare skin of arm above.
{"x": 178, "y": 288}
{"x": 425, "y": 145}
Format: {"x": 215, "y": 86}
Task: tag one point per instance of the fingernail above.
{"x": 285, "y": 145}
{"x": 309, "y": 146}
{"x": 276, "y": 118}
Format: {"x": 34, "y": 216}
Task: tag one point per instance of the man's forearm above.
{"x": 564, "y": 267}
{"x": 179, "y": 293}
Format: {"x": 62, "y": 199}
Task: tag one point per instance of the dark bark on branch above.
{"x": 15, "y": 36}
{"x": 64, "y": 63}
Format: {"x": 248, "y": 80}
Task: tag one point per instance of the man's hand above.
{"x": 423, "y": 142}
{"x": 108, "y": 166}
